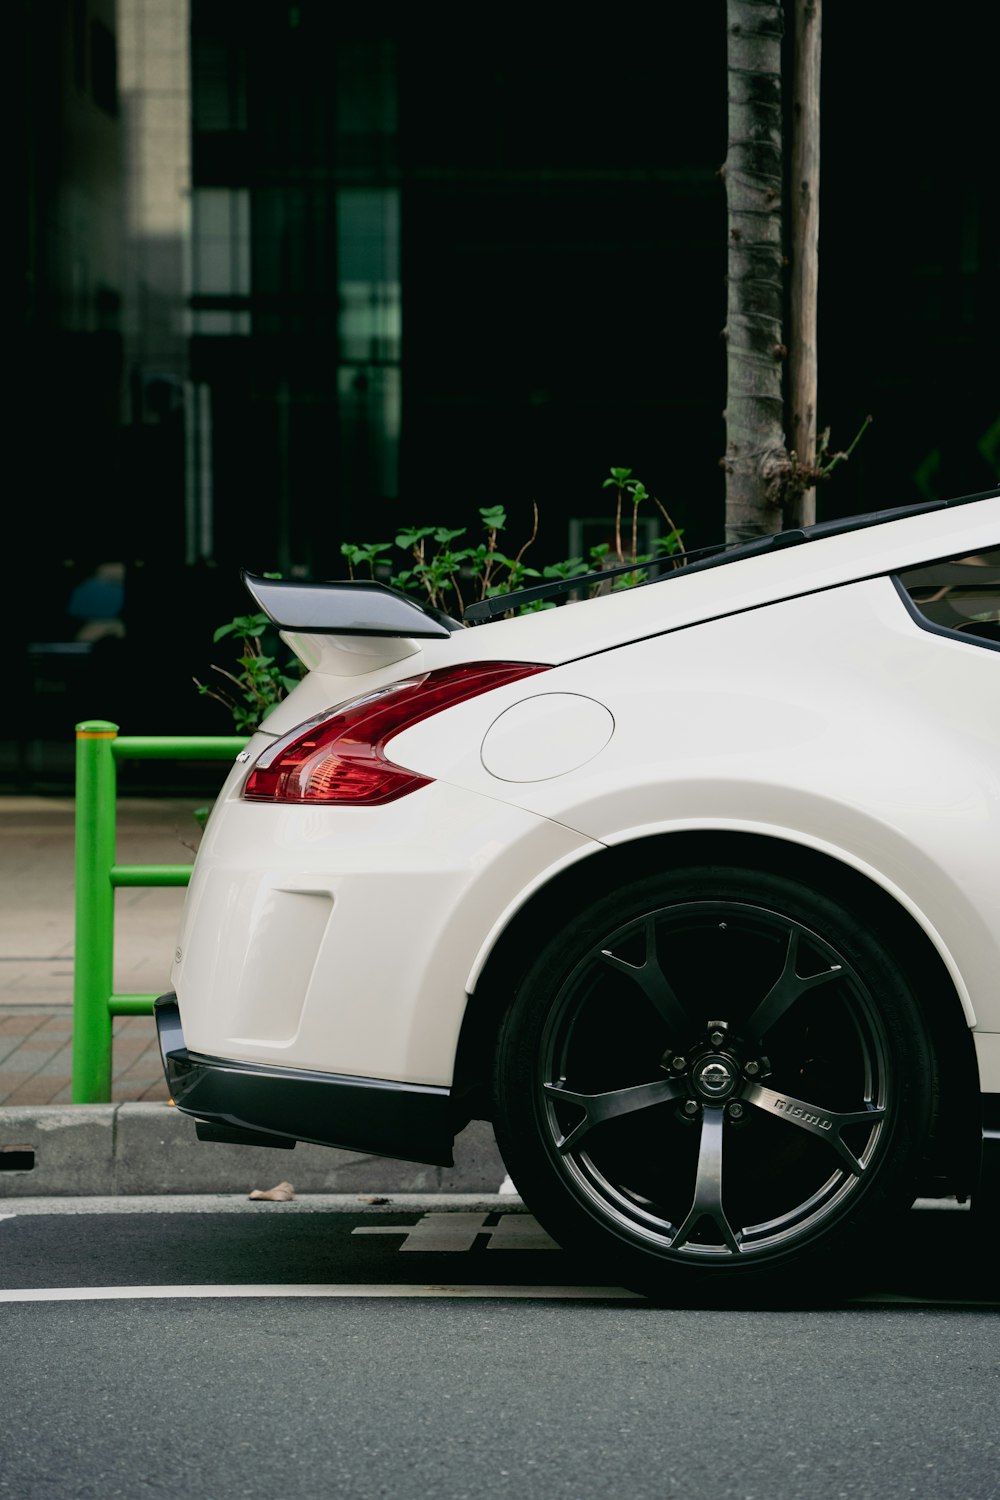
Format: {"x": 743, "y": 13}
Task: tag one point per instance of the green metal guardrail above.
{"x": 98, "y": 750}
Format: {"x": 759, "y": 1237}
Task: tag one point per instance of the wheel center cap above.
{"x": 715, "y": 1077}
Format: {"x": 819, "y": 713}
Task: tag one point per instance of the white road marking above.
{"x": 333, "y": 1290}
{"x": 520, "y": 1232}
{"x": 438, "y": 1232}
{"x": 8, "y": 1216}
{"x": 454, "y": 1232}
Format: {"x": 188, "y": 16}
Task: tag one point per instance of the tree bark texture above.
{"x": 756, "y": 461}
{"x": 804, "y": 246}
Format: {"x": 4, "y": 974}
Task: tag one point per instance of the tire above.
{"x": 715, "y": 1079}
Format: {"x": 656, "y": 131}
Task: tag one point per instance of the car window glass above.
{"x": 958, "y": 594}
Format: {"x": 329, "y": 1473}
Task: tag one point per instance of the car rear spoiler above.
{"x": 346, "y": 608}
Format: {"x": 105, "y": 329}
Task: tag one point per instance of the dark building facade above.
{"x": 297, "y": 278}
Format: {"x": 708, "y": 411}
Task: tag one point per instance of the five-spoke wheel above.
{"x": 716, "y": 1071}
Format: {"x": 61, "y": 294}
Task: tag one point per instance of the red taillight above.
{"x": 342, "y": 758}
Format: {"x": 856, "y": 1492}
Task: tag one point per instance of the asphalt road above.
{"x": 224, "y": 1349}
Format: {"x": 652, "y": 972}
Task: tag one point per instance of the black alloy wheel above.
{"x": 713, "y": 1077}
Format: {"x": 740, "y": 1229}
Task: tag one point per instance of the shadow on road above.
{"x": 940, "y": 1260}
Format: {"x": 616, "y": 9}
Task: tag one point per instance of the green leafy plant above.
{"x": 447, "y": 575}
{"x": 632, "y": 493}
{"x": 259, "y": 682}
{"x": 447, "y": 570}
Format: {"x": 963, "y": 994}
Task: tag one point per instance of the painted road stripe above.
{"x": 335, "y": 1290}
{"x": 459, "y": 1231}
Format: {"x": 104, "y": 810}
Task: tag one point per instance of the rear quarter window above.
{"x": 958, "y": 596}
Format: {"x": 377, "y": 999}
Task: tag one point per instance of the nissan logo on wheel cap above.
{"x": 715, "y": 1078}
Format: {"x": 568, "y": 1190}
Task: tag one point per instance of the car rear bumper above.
{"x": 343, "y": 940}
{"x": 260, "y": 1104}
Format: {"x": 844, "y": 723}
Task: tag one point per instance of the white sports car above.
{"x": 692, "y": 889}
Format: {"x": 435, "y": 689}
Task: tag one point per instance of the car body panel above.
{"x": 354, "y": 959}
{"x": 814, "y": 729}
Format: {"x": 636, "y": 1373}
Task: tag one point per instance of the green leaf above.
{"x": 366, "y": 553}
{"x": 628, "y": 581}
{"x": 572, "y": 567}
{"x": 671, "y": 542}
{"x": 412, "y": 535}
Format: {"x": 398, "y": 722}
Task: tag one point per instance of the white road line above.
{"x": 333, "y": 1290}
{"x": 453, "y": 1232}
{"x": 434, "y": 1232}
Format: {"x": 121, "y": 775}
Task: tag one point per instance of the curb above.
{"x": 106, "y": 1150}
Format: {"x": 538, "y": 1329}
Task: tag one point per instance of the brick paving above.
{"x": 37, "y": 892}
{"x": 36, "y": 1066}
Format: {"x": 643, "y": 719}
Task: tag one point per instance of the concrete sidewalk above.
{"x": 136, "y": 1143}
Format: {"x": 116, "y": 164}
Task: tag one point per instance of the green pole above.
{"x": 150, "y": 875}
{"x": 179, "y": 746}
{"x": 93, "y": 958}
{"x": 132, "y": 1005}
